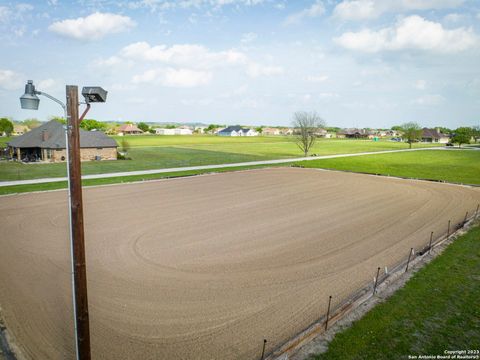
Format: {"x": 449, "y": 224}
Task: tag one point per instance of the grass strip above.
{"x": 437, "y": 310}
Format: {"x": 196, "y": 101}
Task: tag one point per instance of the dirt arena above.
{"x": 206, "y": 267}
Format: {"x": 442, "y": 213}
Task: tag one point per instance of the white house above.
{"x": 183, "y": 131}
{"x": 200, "y": 129}
{"x": 237, "y": 131}
{"x": 163, "y": 131}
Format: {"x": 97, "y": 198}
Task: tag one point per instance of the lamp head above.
{"x": 29, "y": 100}
{"x": 94, "y": 94}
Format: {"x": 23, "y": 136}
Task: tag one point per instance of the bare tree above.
{"x": 306, "y": 125}
{"x": 412, "y": 132}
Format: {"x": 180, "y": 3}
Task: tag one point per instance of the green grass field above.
{"x": 437, "y": 310}
{"x": 157, "y": 152}
{"x": 460, "y": 166}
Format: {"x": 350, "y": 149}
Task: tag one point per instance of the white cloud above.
{"x": 162, "y": 5}
{"x": 454, "y": 18}
{"x": 10, "y": 80}
{"x": 420, "y": 84}
{"x": 429, "y": 100}
{"x": 315, "y": 10}
{"x": 189, "y": 55}
{"x": 369, "y": 9}
{"x": 197, "y": 57}
{"x": 255, "y": 70}
{"x": 47, "y": 84}
{"x": 171, "y": 77}
{"x": 328, "y": 95}
{"x": 4, "y": 14}
{"x": 92, "y": 27}
{"x": 317, "y": 78}
{"x": 248, "y": 37}
{"x": 413, "y": 32}
{"x": 22, "y": 7}
{"x": 356, "y": 10}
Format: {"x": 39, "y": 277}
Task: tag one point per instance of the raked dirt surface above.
{"x": 207, "y": 267}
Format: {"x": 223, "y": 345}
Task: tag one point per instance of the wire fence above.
{"x": 336, "y": 309}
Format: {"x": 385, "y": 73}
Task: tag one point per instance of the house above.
{"x": 164, "y": 131}
{"x": 19, "y": 130}
{"x": 286, "y": 131}
{"x": 270, "y": 131}
{"x": 47, "y": 143}
{"x": 183, "y": 130}
{"x": 129, "y": 129}
{"x": 237, "y": 131}
{"x": 355, "y": 134}
{"x": 323, "y": 133}
{"x": 200, "y": 129}
{"x": 434, "y": 136}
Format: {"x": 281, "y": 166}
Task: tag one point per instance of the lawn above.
{"x": 437, "y": 310}
{"x": 460, "y": 166}
{"x": 157, "y": 152}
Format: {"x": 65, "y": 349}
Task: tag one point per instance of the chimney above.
{"x": 45, "y": 135}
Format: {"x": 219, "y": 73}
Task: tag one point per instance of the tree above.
{"x": 397, "y": 128}
{"x": 411, "y": 132}
{"x": 444, "y": 130}
{"x": 6, "y": 126}
{"x": 462, "y": 136}
{"x": 476, "y": 132}
{"x": 306, "y": 125}
{"x": 31, "y": 123}
{"x": 259, "y": 129}
{"x": 125, "y": 146}
{"x": 91, "y": 124}
{"x": 59, "y": 119}
{"x": 144, "y": 127}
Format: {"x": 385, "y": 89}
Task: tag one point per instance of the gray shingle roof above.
{"x": 51, "y": 135}
{"x": 432, "y": 133}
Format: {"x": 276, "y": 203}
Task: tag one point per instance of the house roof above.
{"x": 355, "y": 131}
{"x": 432, "y": 133}
{"x": 129, "y": 127}
{"x": 51, "y": 135}
{"x": 232, "y": 128}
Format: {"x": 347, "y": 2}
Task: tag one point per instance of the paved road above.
{"x": 203, "y": 167}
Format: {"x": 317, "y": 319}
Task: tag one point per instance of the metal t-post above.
{"x": 80, "y": 298}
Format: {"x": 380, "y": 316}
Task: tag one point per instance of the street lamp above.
{"x": 29, "y": 100}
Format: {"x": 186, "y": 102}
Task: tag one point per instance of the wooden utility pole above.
{"x": 82, "y": 328}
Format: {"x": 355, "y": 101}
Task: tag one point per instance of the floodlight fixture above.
{"x": 29, "y": 100}
{"x": 94, "y": 94}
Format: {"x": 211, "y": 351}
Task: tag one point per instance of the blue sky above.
{"x": 358, "y": 63}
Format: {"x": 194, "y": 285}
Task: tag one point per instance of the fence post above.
{"x": 409, "y": 257}
{"x": 328, "y": 312}
{"x": 448, "y": 231}
{"x": 263, "y": 350}
{"x": 376, "y": 281}
{"x": 430, "y": 244}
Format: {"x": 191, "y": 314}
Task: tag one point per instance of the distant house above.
{"x": 270, "y": 131}
{"x": 19, "y": 130}
{"x": 237, "y": 131}
{"x": 200, "y": 129}
{"x": 286, "y": 131}
{"x": 355, "y": 134}
{"x": 434, "y": 136}
{"x": 164, "y": 131}
{"x": 183, "y": 130}
{"x": 47, "y": 143}
{"x": 323, "y": 133}
{"x": 129, "y": 129}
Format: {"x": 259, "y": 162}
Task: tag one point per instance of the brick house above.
{"x": 47, "y": 143}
